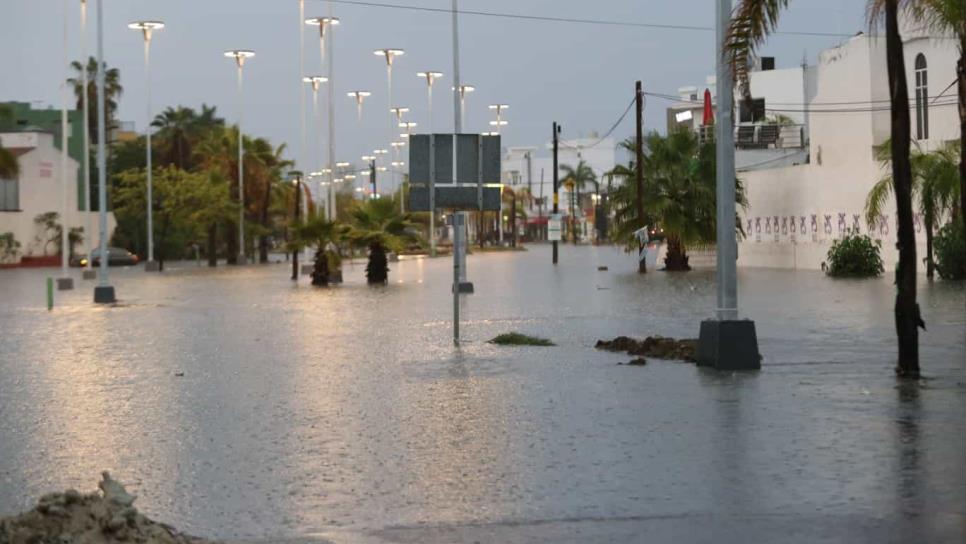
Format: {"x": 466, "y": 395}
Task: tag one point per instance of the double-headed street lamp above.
{"x": 240, "y": 56}
{"x": 409, "y": 126}
{"x": 324, "y": 24}
{"x": 147, "y": 30}
{"x": 499, "y": 109}
{"x": 430, "y": 78}
{"x": 316, "y": 83}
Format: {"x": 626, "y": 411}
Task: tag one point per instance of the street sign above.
{"x": 455, "y": 198}
{"x": 554, "y": 226}
{"x": 476, "y": 156}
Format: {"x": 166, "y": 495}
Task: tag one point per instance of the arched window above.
{"x": 922, "y": 99}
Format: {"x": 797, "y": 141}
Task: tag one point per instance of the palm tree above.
{"x": 181, "y": 129}
{"x": 577, "y": 178}
{"x": 112, "y": 92}
{"x": 325, "y": 236}
{"x": 9, "y": 166}
{"x": 753, "y": 20}
{"x": 378, "y": 226}
{"x": 679, "y": 196}
{"x": 935, "y": 183}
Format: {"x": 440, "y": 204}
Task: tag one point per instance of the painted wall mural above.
{"x": 795, "y": 228}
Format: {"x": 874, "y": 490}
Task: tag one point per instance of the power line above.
{"x": 575, "y": 20}
{"x": 869, "y": 105}
{"x": 605, "y": 136}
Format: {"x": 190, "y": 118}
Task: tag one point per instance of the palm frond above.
{"x": 751, "y": 23}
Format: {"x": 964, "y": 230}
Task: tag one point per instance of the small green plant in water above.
{"x": 855, "y": 256}
{"x": 517, "y": 339}
{"x": 950, "y": 246}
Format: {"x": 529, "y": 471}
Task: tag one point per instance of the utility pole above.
{"x": 298, "y": 214}
{"x": 639, "y": 164}
{"x": 530, "y": 180}
{"x": 372, "y": 178}
{"x": 556, "y": 183}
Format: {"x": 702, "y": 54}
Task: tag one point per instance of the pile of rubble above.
{"x": 657, "y": 347}
{"x": 105, "y": 517}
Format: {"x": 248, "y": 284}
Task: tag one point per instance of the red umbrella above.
{"x": 708, "y": 108}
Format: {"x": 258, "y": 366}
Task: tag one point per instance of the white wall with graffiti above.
{"x": 796, "y": 212}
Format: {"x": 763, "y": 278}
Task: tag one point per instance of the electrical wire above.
{"x": 605, "y": 136}
{"x": 869, "y": 107}
{"x": 575, "y": 20}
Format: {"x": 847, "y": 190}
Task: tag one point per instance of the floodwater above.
{"x": 347, "y": 414}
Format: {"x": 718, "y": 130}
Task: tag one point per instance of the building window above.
{"x": 9, "y": 195}
{"x": 752, "y": 113}
{"x": 922, "y": 98}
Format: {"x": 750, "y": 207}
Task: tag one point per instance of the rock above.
{"x": 179, "y": 374}
{"x": 72, "y": 496}
{"x": 114, "y": 491}
{"x": 658, "y": 347}
{"x": 640, "y": 361}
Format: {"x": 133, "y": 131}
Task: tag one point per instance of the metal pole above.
{"x": 241, "y": 170}
{"x": 556, "y": 181}
{"x": 298, "y": 209}
{"x": 103, "y": 293}
{"x": 330, "y": 66}
{"x": 639, "y": 173}
{"x": 150, "y": 173}
{"x": 303, "y": 156}
{"x": 727, "y": 243}
{"x": 64, "y": 249}
{"x": 432, "y": 180}
{"x": 459, "y": 218}
{"x": 87, "y": 139}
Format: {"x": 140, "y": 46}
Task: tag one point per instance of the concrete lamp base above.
{"x": 104, "y": 294}
{"x": 90, "y": 274}
{"x": 729, "y": 345}
{"x": 152, "y": 266}
{"x": 65, "y": 284}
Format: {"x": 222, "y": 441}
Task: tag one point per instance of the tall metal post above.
{"x": 556, "y": 184}
{"x": 89, "y": 272}
{"x": 147, "y": 29}
{"x": 330, "y": 66}
{"x": 303, "y": 146}
{"x": 241, "y": 169}
{"x": 298, "y": 212}
{"x": 64, "y": 282}
{"x": 639, "y": 174}
{"x": 727, "y": 243}
{"x": 104, "y": 292}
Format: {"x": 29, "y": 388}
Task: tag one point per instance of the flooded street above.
{"x": 347, "y": 414}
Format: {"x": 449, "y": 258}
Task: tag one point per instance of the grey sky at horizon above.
{"x": 580, "y": 75}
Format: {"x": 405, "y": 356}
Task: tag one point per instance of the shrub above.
{"x": 950, "y": 250}
{"x": 9, "y": 247}
{"x": 854, "y": 256}
{"x": 517, "y": 339}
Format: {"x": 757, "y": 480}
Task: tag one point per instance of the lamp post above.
{"x": 147, "y": 29}
{"x": 297, "y": 180}
{"x": 65, "y": 282}
{"x": 104, "y": 292}
{"x": 240, "y": 56}
{"x": 360, "y": 97}
{"x": 499, "y": 108}
{"x": 395, "y": 114}
{"x": 430, "y": 78}
{"x": 316, "y": 83}
{"x": 328, "y": 64}
{"x": 88, "y": 271}
{"x": 462, "y": 91}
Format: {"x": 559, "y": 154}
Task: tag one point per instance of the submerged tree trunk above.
{"x": 213, "y": 245}
{"x": 676, "y": 259}
{"x": 930, "y": 265}
{"x": 906, "y": 309}
{"x": 377, "y": 270}
{"x": 320, "y": 273}
{"x": 231, "y": 242}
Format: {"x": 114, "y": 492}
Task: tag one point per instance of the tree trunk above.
{"x": 263, "y": 239}
{"x": 231, "y": 241}
{"x": 906, "y": 309}
{"x": 213, "y": 245}
{"x": 930, "y": 266}
{"x": 676, "y": 259}
{"x": 320, "y": 273}
{"x": 962, "y": 129}
{"x": 377, "y": 271}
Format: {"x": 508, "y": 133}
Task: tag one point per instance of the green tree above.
{"x": 325, "y": 236}
{"x": 679, "y": 195}
{"x": 751, "y": 23}
{"x": 180, "y": 130}
{"x": 935, "y": 185}
{"x": 112, "y": 92}
{"x": 378, "y": 226}
{"x": 577, "y": 179}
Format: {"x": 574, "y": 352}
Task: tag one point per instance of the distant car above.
{"x": 116, "y": 256}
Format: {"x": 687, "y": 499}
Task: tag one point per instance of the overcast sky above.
{"x": 581, "y": 75}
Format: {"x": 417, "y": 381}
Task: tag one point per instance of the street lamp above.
{"x": 147, "y": 29}
{"x": 240, "y": 56}
{"x": 297, "y": 180}
{"x": 104, "y": 292}
{"x": 327, "y": 23}
{"x": 499, "y": 109}
{"x": 88, "y": 271}
{"x": 360, "y": 97}
{"x": 462, "y": 92}
{"x": 316, "y": 83}
{"x": 64, "y": 282}
{"x": 430, "y": 78}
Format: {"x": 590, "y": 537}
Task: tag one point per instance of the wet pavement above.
{"x": 347, "y": 415}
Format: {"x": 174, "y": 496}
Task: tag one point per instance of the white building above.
{"x": 37, "y": 190}
{"x": 806, "y": 192}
